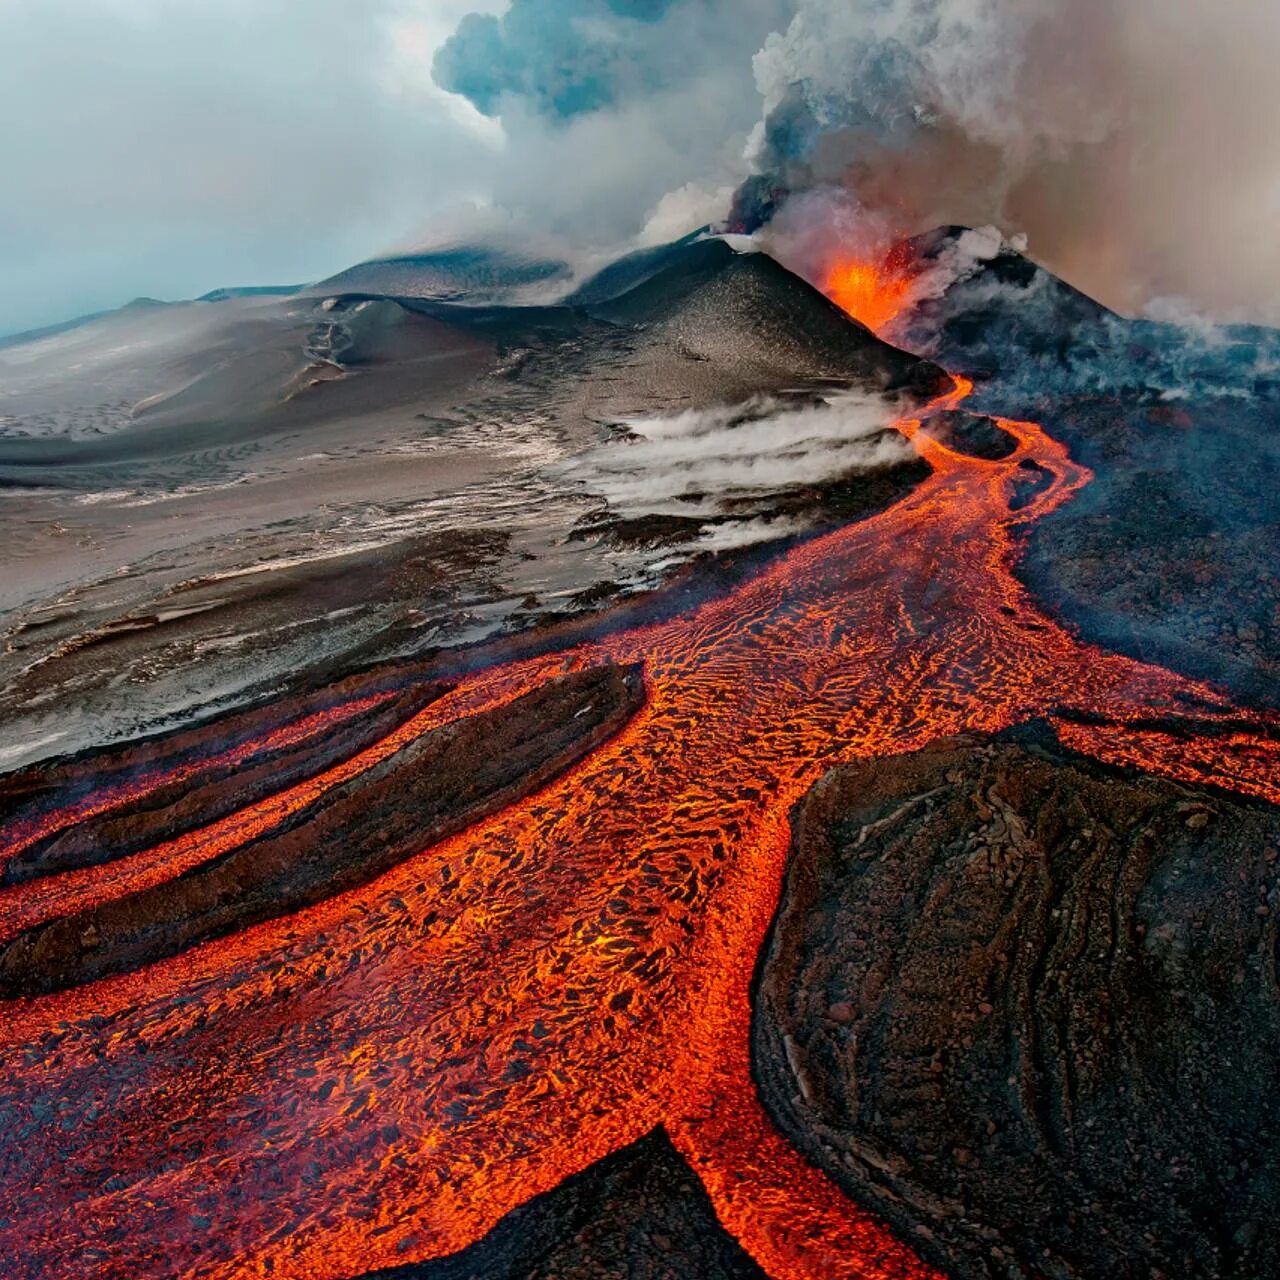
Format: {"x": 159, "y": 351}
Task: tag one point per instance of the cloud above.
{"x": 161, "y": 148}
{"x": 610, "y": 107}
{"x": 1134, "y": 143}
{"x": 562, "y": 57}
{"x": 165, "y": 149}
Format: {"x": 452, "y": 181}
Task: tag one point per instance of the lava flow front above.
{"x": 379, "y": 1078}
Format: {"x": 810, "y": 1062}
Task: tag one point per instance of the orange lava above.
{"x": 873, "y": 293}
{"x": 380, "y": 1078}
{"x": 19, "y": 836}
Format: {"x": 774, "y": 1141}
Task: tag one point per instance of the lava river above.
{"x": 380, "y": 1078}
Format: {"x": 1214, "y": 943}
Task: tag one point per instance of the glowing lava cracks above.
{"x": 380, "y": 1078}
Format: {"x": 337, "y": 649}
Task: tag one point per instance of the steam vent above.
{"x": 709, "y": 712}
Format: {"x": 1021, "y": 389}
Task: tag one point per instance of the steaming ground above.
{"x": 731, "y": 466}
{"x": 204, "y": 502}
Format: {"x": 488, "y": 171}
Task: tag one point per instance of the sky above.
{"x": 167, "y": 147}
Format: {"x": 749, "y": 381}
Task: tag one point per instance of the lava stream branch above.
{"x": 382, "y": 1076}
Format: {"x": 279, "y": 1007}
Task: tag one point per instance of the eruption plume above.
{"x": 1133, "y": 158}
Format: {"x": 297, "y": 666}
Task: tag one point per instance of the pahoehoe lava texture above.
{"x": 639, "y": 1214}
{"x": 426, "y": 791}
{"x": 1026, "y": 1008}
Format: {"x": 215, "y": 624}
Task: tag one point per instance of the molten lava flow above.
{"x": 380, "y": 1078}
{"x": 874, "y": 293}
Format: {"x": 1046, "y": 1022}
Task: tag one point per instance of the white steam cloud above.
{"x": 734, "y": 459}
{"x": 1134, "y": 143}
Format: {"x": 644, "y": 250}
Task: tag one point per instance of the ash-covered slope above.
{"x": 473, "y": 274}
{"x": 204, "y": 500}
{"x": 702, "y": 300}
{"x": 691, "y": 323}
{"x": 631, "y": 270}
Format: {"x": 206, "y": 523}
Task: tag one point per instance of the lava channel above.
{"x": 379, "y": 1078}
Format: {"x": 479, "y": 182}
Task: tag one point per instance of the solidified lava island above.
{"x": 703, "y": 771}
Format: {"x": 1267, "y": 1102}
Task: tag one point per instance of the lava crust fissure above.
{"x": 431, "y": 788}
{"x": 1026, "y": 1008}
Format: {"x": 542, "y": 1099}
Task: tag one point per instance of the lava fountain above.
{"x": 875, "y": 293}
{"x": 381, "y": 1077}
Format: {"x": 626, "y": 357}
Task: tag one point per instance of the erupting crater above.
{"x": 873, "y": 292}
{"x": 379, "y": 1078}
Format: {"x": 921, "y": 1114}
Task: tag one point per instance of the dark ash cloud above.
{"x": 561, "y": 57}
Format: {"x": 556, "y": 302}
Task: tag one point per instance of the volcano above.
{"x": 668, "y": 779}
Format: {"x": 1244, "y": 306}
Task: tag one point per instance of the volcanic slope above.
{"x": 1168, "y": 555}
{"x": 470, "y": 274}
{"x": 991, "y": 306}
{"x": 750, "y": 318}
{"x": 304, "y": 482}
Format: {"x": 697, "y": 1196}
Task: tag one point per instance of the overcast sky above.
{"x": 166, "y": 147}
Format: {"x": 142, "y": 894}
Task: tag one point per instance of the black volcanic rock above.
{"x": 1026, "y": 1008}
{"x": 639, "y": 1214}
{"x": 1006, "y": 309}
{"x": 31, "y": 794}
{"x": 428, "y": 789}
{"x": 207, "y": 792}
{"x": 1168, "y": 554}
{"x": 971, "y": 433}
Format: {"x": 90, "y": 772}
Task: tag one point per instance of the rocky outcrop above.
{"x": 1026, "y": 1008}
{"x": 970, "y": 433}
{"x": 640, "y": 1213}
